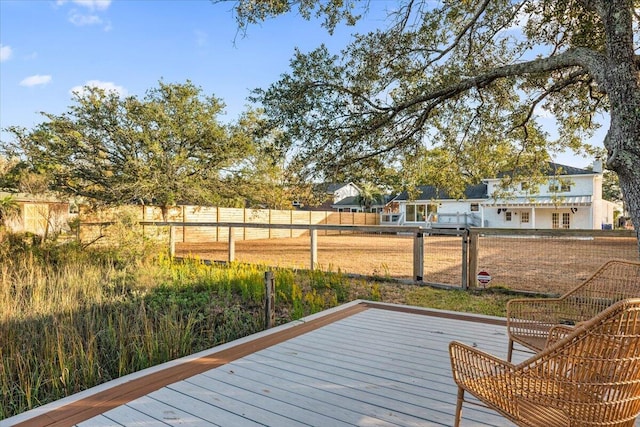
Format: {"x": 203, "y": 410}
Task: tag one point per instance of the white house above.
{"x": 435, "y": 208}
{"x": 570, "y": 198}
{"x": 334, "y": 193}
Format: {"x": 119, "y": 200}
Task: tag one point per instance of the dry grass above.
{"x": 548, "y": 265}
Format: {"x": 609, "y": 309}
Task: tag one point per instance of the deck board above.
{"x": 376, "y": 367}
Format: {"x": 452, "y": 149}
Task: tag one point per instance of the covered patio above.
{"x": 363, "y": 363}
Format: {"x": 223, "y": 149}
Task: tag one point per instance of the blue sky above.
{"x": 50, "y": 47}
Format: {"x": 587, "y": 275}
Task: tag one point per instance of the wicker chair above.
{"x": 588, "y": 377}
{"x": 529, "y": 320}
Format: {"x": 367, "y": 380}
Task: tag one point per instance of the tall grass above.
{"x": 72, "y": 318}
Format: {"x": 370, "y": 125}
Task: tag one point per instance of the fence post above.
{"x": 270, "y": 300}
{"x": 473, "y": 258}
{"x": 232, "y": 245}
{"x": 172, "y": 241}
{"x": 314, "y": 247}
{"x": 418, "y": 256}
{"x": 465, "y": 259}
{"x": 184, "y": 220}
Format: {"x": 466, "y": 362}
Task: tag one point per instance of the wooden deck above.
{"x": 363, "y": 364}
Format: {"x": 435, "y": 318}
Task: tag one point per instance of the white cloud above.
{"x": 87, "y": 12}
{"x": 106, "y": 86}
{"x": 81, "y": 20}
{"x": 5, "y": 53}
{"x": 89, "y": 4}
{"x": 35, "y": 80}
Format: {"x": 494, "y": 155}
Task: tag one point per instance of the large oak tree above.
{"x": 468, "y": 78}
{"x": 165, "y": 148}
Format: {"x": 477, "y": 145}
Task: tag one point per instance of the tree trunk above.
{"x": 621, "y": 81}
{"x": 630, "y": 185}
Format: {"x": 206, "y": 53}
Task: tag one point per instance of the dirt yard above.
{"x": 548, "y": 265}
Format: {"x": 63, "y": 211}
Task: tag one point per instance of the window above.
{"x": 566, "y": 220}
{"x": 507, "y": 216}
{"x": 559, "y": 187}
{"x": 524, "y": 217}
{"x": 419, "y": 212}
{"x": 475, "y": 207}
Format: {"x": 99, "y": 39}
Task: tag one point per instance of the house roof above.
{"x": 333, "y": 187}
{"x": 557, "y": 169}
{"x": 353, "y": 201}
{"x": 429, "y": 192}
{"x": 34, "y": 198}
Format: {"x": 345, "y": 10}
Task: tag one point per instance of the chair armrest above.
{"x": 469, "y": 363}
{"x": 524, "y": 313}
{"x": 558, "y": 332}
{"x": 536, "y": 310}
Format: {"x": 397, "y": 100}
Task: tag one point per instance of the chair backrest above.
{"x": 614, "y": 281}
{"x": 593, "y": 374}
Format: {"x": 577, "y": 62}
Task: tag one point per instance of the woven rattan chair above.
{"x": 588, "y": 377}
{"x": 529, "y": 320}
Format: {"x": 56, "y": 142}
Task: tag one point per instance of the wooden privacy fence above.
{"x": 199, "y": 219}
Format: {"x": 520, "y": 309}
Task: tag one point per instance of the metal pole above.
{"x": 270, "y": 300}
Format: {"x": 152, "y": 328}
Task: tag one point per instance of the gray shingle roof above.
{"x": 556, "y": 169}
{"x": 429, "y": 192}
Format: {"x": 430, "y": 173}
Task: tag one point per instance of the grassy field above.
{"x": 545, "y": 265}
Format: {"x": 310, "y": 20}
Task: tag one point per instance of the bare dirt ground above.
{"x": 546, "y": 265}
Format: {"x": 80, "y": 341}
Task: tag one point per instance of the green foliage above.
{"x": 457, "y": 91}
{"x": 491, "y": 302}
{"x": 9, "y": 209}
{"x": 165, "y": 148}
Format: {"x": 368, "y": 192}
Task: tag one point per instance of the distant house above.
{"x": 334, "y": 194}
{"x": 40, "y": 215}
{"x": 569, "y": 198}
{"x": 353, "y": 204}
{"x": 437, "y": 208}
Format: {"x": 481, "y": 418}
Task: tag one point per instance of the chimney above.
{"x": 597, "y": 165}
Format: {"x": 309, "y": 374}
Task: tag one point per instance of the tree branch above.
{"x": 592, "y": 62}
